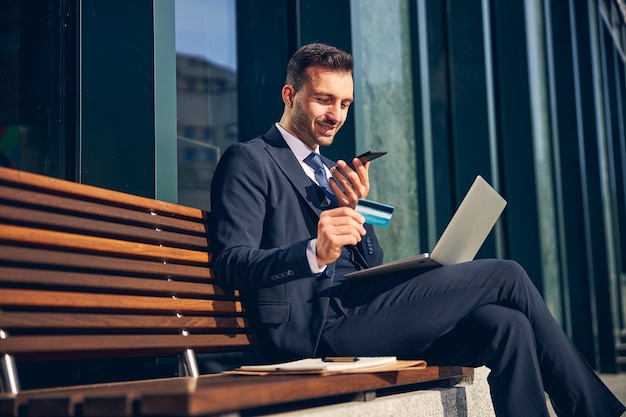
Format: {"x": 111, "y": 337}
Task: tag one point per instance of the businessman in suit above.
{"x": 285, "y": 232}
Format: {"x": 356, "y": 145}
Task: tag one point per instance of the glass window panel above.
{"x": 206, "y": 84}
{"x": 33, "y": 134}
{"x": 384, "y": 115}
{"x": 537, "y": 68}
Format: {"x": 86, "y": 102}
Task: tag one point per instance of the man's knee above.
{"x": 509, "y": 268}
{"x": 512, "y": 275}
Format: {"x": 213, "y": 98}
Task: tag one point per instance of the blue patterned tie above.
{"x": 315, "y": 162}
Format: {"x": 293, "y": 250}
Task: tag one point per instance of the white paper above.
{"x": 317, "y": 364}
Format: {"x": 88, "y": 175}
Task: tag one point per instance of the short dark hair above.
{"x": 316, "y": 54}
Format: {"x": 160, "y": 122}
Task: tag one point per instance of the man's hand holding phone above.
{"x": 367, "y": 157}
{"x": 353, "y": 183}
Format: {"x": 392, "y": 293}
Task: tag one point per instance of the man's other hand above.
{"x": 336, "y": 228}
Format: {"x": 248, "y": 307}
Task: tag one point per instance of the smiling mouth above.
{"x": 327, "y": 127}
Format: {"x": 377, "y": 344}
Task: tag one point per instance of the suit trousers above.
{"x": 484, "y": 312}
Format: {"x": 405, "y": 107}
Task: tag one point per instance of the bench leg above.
{"x": 9, "y": 381}
{"x": 191, "y": 365}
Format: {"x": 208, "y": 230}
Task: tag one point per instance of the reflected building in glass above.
{"x": 207, "y": 124}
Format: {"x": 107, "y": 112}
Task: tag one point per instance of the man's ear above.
{"x": 288, "y": 94}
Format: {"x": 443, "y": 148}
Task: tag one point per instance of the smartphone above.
{"x": 368, "y": 156}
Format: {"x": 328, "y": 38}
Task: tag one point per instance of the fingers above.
{"x": 350, "y": 184}
{"x": 337, "y": 228}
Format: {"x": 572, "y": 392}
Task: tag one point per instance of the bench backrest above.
{"x": 89, "y": 272}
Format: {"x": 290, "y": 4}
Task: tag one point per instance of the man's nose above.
{"x": 333, "y": 112}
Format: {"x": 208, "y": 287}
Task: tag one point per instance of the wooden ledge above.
{"x": 212, "y": 394}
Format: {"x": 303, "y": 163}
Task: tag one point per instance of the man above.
{"x": 286, "y": 236}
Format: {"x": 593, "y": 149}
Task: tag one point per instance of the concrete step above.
{"x": 470, "y": 398}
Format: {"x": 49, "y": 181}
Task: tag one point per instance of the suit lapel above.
{"x": 287, "y": 163}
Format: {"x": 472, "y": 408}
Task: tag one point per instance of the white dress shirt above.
{"x": 301, "y": 151}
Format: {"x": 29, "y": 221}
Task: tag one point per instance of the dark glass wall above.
{"x": 77, "y": 91}
{"x": 38, "y": 61}
{"x": 117, "y": 140}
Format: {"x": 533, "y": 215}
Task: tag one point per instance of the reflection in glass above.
{"x": 384, "y": 118}
{"x": 206, "y": 83}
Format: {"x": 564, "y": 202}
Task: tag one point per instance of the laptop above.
{"x": 462, "y": 238}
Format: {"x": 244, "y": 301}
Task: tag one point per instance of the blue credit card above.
{"x": 375, "y": 213}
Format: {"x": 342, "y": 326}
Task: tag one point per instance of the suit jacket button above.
{"x": 330, "y": 273}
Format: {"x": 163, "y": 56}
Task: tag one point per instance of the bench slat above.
{"x": 73, "y": 224}
{"x": 51, "y": 407}
{"x": 95, "y": 209}
{"x": 46, "y": 184}
{"x": 72, "y": 241}
{"x": 74, "y": 346}
{"x": 76, "y": 280}
{"x": 116, "y": 322}
{"x": 46, "y": 258}
{"x": 118, "y": 303}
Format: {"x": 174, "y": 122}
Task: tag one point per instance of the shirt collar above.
{"x": 299, "y": 149}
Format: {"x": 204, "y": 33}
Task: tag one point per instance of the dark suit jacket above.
{"x": 265, "y": 210}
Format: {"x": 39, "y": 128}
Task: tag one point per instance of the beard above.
{"x": 305, "y": 125}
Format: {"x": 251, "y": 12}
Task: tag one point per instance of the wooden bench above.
{"x": 93, "y": 273}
